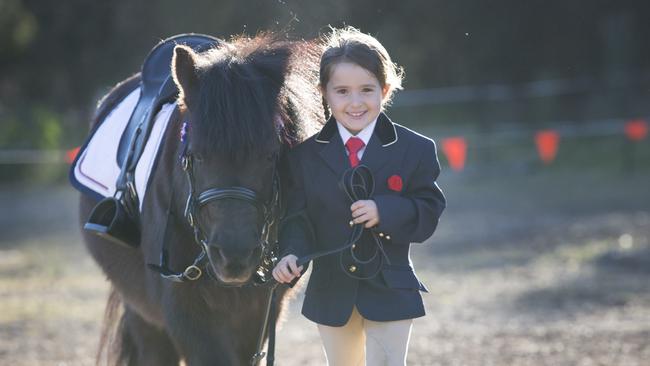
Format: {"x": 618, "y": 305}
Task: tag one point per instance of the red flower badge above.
{"x": 395, "y": 183}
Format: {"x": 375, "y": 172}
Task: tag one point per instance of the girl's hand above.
{"x": 365, "y": 211}
{"x": 287, "y": 269}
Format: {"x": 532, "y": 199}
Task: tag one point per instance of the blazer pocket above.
{"x": 402, "y": 278}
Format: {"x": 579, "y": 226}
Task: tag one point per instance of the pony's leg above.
{"x": 204, "y": 336}
{"x": 228, "y": 337}
{"x": 147, "y": 345}
{"x": 206, "y": 345}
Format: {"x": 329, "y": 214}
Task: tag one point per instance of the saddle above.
{"x": 117, "y": 218}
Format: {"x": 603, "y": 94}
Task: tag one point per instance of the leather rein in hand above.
{"x": 358, "y": 184}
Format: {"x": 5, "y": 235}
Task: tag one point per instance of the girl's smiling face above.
{"x": 354, "y": 96}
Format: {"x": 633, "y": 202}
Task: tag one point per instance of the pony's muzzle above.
{"x": 233, "y": 263}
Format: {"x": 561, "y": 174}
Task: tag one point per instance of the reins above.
{"x": 358, "y": 184}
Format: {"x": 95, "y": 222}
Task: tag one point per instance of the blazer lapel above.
{"x": 378, "y": 151}
{"x": 375, "y": 156}
{"x": 334, "y": 155}
{"x": 332, "y": 150}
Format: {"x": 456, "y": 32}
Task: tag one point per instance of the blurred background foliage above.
{"x": 58, "y": 58}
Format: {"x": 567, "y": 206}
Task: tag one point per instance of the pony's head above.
{"x": 243, "y": 103}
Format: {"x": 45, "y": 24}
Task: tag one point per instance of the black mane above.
{"x": 254, "y": 92}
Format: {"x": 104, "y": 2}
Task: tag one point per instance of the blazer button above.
{"x": 387, "y": 237}
{"x": 351, "y": 223}
{"x": 354, "y": 246}
{"x": 381, "y": 235}
{"x": 353, "y": 268}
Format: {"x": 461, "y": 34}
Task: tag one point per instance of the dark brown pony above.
{"x": 245, "y": 102}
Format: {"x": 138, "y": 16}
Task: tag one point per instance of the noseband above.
{"x": 195, "y": 202}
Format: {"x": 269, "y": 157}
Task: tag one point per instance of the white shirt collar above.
{"x": 364, "y": 134}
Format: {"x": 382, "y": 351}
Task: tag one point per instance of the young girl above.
{"x": 365, "y": 297}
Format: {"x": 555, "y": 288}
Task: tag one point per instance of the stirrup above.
{"x": 110, "y": 220}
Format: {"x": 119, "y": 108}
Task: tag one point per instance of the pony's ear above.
{"x": 184, "y": 73}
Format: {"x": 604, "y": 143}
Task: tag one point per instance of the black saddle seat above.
{"x": 156, "y": 89}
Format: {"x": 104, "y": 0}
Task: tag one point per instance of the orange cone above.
{"x": 547, "y": 142}
{"x": 636, "y": 130}
{"x": 71, "y": 154}
{"x": 455, "y": 149}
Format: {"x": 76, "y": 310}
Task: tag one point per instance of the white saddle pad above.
{"x": 95, "y": 171}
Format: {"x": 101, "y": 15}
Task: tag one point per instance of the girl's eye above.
{"x": 342, "y": 91}
{"x": 368, "y": 90}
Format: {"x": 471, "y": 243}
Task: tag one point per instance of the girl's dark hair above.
{"x": 349, "y": 44}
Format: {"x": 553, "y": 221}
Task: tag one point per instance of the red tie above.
{"x": 354, "y": 144}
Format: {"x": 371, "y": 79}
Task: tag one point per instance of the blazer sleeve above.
{"x": 296, "y": 232}
{"x": 413, "y": 216}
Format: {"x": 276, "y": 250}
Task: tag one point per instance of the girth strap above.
{"x": 193, "y": 272}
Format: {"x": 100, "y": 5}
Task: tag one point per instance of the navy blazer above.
{"x": 410, "y": 215}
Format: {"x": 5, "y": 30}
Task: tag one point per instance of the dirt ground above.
{"x": 541, "y": 272}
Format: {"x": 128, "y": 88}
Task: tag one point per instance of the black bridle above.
{"x": 192, "y": 215}
{"x": 268, "y": 209}
{"x": 195, "y": 201}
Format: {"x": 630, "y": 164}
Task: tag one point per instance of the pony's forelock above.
{"x": 254, "y": 91}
